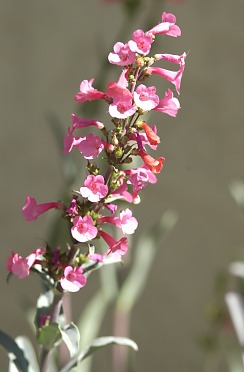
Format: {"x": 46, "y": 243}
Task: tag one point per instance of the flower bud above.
{"x": 140, "y": 62}
{"x": 118, "y": 153}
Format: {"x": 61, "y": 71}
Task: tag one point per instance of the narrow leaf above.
{"x": 12, "y": 347}
{"x": 97, "y": 344}
{"x": 235, "y": 305}
{"x": 29, "y": 352}
{"x": 71, "y": 336}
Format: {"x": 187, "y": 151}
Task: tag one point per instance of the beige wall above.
{"x": 47, "y": 48}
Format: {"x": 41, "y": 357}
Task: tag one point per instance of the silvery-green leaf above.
{"x": 97, "y": 344}
{"x": 15, "y": 353}
{"x": 71, "y": 336}
{"x": 235, "y": 304}
{"x": 29, "y": 353}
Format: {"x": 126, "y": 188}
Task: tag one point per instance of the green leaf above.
{"x": 50, "y": 336}
{"x": 29, "y": 352}
{"x": 71, "y": 336}
{"x": 97, "y": 344}
{"x": 16, "y": 354}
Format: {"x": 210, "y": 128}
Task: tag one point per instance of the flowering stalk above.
{"x": 95, "y": 203}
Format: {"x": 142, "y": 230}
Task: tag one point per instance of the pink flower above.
{"x": 91, "y": 146}
{"x": 88, "y": 93}
{"x": 122, "y": 55}
{"x": 155, "y": 165}
{"x": 141, "y": 42}
{"x": 83, "y": 122}
{"x": 173, "y": 76}
{"x": 20, "y": 266}
{"x": 139, "y": 178}
{"x": 96, "y": 257}
{"x": 70, "y": 141}
{"x": 122, "y": 192}
{"x": 83, "y": 229}
{"x": 169, "y": 104}
{"x": 128, "y": 222}
{"x": 31, "y": 210}
{"x": 146, "y": 98}
{"x": 122, "y": 106}
{"x": 122, "y": 109}
{"x": 125, "y": 221}
{"x": 73, "y": 279}
{"x": 120, "y": 247}
{"x": 167, "y": 26}
{"x": 94, "y": 188}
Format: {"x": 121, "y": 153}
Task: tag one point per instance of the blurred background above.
{"x": 47, "y": 49}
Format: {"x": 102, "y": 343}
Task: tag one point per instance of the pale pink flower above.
{"x": 120, "y": 247}
{"x": 141, "y": 42}
{"x": 73, "y": 279}
{"x": 31, "y": 210}
{"x": 146, "y": 97}
{"x": 91, "y": 146}
{"x": 83, "y": 229}
{"x": 94, "y": 188}
{"x": 122, "y": 55}
{"x": 173, "y": 76}
{"x": 20, "y": 266}
{"x": 167, "y": 26}
{"x": 125, "y": 221}
{"x": 88, "y": 93}
{"x": 128, "y": 222}
{"x": 78, "y": 123}
{"x": 139, "y": 178}
{"x": 169, "y": 104}
{"x": 97, "y": 257}
{"x": 122, "y": 106}
{"x": 122, "y": 109}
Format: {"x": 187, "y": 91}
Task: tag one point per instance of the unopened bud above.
{"x": 139, "y": 124}
{"x": 140, "y": 62}
{"x": 118, "y": 152}
{"x": 131, "y": 78}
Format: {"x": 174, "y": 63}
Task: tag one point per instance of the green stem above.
{"x": 46, "y": 354}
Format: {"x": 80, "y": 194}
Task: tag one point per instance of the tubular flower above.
{"x": 141, "y": 42}
{"x": 169, "y": 104}
{"x": 152, "y": 137}
{"x": 155, "y": 165}
{"x": 94, "y": 188}
{"x": 20, "y": 266}
{"x": 31, "y": 210}
{"x": 120, "y": 247}
{"x": 83, "y": 229}
{"x": 88, "y": 93}
{"x": 73, "y": 279}
{"x": 146, "y": 98}
{"x": 122, "y": 55}
{"x": 167, "y": 26}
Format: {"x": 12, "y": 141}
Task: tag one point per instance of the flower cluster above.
{"x": 95, "y": 205}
